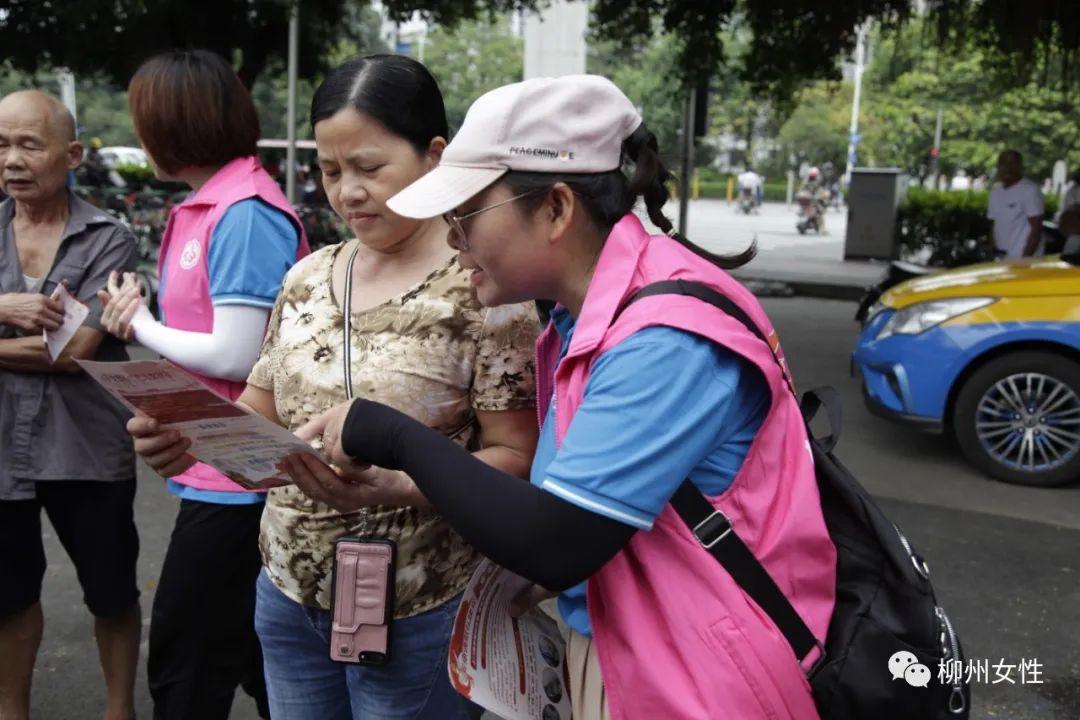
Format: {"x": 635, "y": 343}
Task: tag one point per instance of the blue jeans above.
{"x": 303, "y": 683}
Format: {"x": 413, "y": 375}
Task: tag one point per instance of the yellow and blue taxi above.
{"x": 989, "y": 353}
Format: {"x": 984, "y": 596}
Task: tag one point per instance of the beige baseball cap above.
{"x": 574, "y": 124}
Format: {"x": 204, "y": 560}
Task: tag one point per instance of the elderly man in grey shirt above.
{"x": 63, "y": 445}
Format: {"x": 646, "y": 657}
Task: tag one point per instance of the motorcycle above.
{"x": 747, "y": 201}
{"x": 836, "y": 196}
{"x": 810, "y": 211}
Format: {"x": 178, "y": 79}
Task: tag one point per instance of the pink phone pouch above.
{"x": 361, "y": 608}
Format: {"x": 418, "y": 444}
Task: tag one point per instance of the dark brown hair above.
{"x": 191, "y": 110}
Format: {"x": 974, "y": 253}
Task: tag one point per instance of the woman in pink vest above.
{"x": 634, "y": 399}
{"x": 223, "y": 256}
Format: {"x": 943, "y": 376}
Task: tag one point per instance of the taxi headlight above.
{"x": 873, "y": 311}
{"x": 920, "y": 317}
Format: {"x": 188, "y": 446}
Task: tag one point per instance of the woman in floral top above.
{"x": 430, "y": 351}
{"x": 420, "y": 342}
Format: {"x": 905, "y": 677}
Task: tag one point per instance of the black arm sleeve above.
{"x": 541, "y": 537}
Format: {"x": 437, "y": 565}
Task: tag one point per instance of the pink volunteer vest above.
{"x": 182, "y": 261}
{"x": 676, "y": 637}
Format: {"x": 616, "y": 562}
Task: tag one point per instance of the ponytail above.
{"x": 650, "y": 182}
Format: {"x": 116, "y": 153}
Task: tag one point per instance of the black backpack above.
{"x": 885, "y": 603}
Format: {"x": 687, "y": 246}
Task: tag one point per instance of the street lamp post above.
{"x": 290, "y": 151}
{"x": 936, "y": 151}
{"x": 687, "y": 160}
{"x": 66, "y": 80}
{"x": 853, "y": 136}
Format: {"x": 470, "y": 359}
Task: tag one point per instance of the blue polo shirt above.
{"x": 661, "y": 406}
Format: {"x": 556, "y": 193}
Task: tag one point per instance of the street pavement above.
{"x": 722, "y": 228}
{"x": 1003, "y": 559}
{"x": 786, "y": 263}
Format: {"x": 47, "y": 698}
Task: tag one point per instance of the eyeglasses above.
{"x": 456, "y": 237}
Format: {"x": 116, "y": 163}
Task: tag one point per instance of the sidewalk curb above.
{"x": 775, "y": 287}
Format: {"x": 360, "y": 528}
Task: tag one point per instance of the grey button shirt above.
{"x": 58, "y": 426}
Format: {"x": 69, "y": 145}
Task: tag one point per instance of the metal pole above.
{"x": 66, "y": 80}
{"x": 853, "y": 135}
{"x": 687, "y": 160}
{"x": 936, "y": 151}
{"x": 290, "y": 152}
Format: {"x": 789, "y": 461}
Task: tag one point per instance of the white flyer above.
{"x": 516, "y": 668}
{"x": 244, "y": 446}
{"x": 74, "y": 315}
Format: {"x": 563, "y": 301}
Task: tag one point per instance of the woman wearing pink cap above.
{"x": 669, "y": 435}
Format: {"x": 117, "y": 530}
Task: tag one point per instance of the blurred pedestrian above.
{"x": 1071, "y": 196}
{"x": 1015, "y": 209}
{"x": 63, "y": 448}
{"x": 750, "y": 184}
{"x": 1070, "y": 229}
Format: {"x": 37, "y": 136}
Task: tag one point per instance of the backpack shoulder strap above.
{"x": 718, "y": 300}
{"x": 710, "y": 526}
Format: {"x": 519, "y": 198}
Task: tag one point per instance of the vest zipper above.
{"x": 957, "y": 704}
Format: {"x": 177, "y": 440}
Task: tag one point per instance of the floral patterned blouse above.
{"x": 434, "y": 353}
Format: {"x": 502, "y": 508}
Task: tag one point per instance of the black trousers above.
{"x": 94, "y": 522}
{"x": 202, "y": 627}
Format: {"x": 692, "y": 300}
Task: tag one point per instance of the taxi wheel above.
{"x": 1017, "y": 418}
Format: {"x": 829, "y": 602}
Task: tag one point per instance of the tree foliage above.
{"x": 471, "y": 58}
{"x": 644, "y": 73}
{"x": 911, "y": 77}
{"x": 102, "y": 106}
{"x": 113, "y": 37}
{"x": 790, "y": 41}
{"x": 359, "y": 36}
{"x": 817, "y": 131}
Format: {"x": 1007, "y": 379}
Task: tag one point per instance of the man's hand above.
{"x": 31, "y": 312}
{"x": 1034, "y": 236}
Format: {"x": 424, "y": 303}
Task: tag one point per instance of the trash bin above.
{"x": 873, "y": 198}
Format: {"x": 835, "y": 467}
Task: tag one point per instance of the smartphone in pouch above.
{"x": 362, "y": 602}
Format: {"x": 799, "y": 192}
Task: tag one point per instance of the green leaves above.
{"x": 471, "y": 58}
{"x": 910, "y": 77}
{"x": 113, "y": 37}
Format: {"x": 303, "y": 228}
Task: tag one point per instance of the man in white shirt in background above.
{"x": 1069, "y": 224}
{"x": 1070, "y": 197}
{"x": 1016, "y": 209}
{"x": 749, "y": 180}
